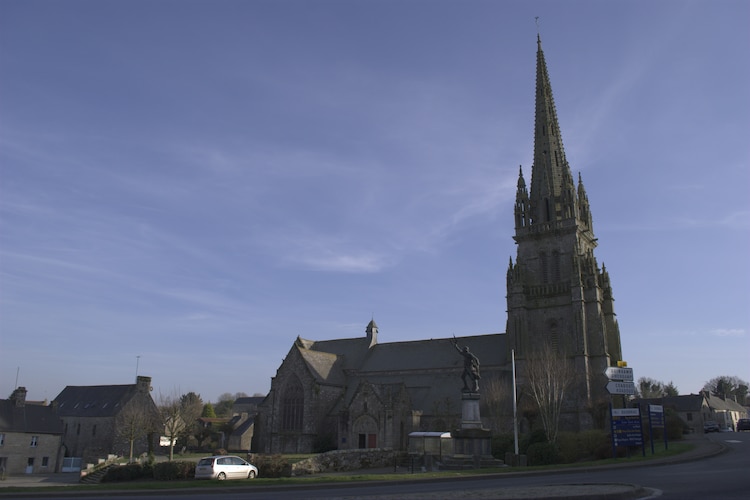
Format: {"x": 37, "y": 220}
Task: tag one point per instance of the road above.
{"x": 725, "y": 476}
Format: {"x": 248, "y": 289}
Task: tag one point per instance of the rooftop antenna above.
{"x": 18, "y": 369}
{"x": 137, "y": 362}
{"x": 536, "y": 21}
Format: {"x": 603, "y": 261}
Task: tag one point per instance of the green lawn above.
{"x": 675, "y": 448}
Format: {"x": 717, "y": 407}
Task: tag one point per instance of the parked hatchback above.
{"x": 225, "y": 467}
{"x": 710, "y": 426}
{"x": 743, "y": 424}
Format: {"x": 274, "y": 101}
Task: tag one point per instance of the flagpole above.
{"x": 515, "y": 406}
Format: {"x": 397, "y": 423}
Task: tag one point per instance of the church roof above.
{"x": 433, "y": 354}
{"x": 324, "y": 366}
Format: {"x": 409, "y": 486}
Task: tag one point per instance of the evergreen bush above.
{"x": 127, "y": 472}
{"x": 169, "y": 471}
{"x": 543, "y": 454}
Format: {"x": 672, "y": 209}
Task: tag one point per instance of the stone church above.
{"x": 359, "y": 393}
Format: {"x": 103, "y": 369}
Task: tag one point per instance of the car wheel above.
{"x": 221, "y": 476}
{"x": 251, "y": 475}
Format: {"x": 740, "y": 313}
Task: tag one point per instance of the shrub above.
{"x": 220, "y": 451}
{"x": 579, "y": 446}
{"x": 675, "y": 426}
{"x": 127, "y": 472}
{"x": 501, "y": 444}
{"x": 272, "y": 466}
{"x": 169, "y": 471}
{"x": 537, "y": 436}
{"x": 543, "y": 454}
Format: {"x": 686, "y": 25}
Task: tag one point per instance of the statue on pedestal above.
{"x": 471, "y": 367}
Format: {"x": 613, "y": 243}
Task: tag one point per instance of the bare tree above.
{"x": 497, "y": 397}
{"x": 173, "y": 414}
{"x": 136, "y": 421}
{"x": 549, "y": 375}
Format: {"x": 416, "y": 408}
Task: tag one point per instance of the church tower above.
{"x": 557, "y": 296}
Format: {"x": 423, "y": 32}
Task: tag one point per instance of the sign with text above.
{"x": 626, "y": 427}
{"x": 656, "y": 415}
{"x": 614, "y": 387}
{"x": 623, "y": 374}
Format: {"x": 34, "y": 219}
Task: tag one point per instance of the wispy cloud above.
{"x": 728, "y": 332}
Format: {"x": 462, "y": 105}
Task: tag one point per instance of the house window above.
{"x": 93, "y": 430}
{"x": 78, "y": 430}
{"x": 2, "y": 439}
{"x": 45, "y": 461}
{"x": 34, "y": 441}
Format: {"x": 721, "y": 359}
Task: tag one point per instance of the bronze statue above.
{"x": 471, "y": 367}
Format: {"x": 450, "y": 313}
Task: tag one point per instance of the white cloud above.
{"x": 728, "y": 332}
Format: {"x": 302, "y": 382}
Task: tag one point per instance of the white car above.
{"x": 225, "y": 467}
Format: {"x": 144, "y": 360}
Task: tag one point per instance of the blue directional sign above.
{"x": 626, "y": 427}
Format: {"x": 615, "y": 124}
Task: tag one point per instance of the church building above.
{"x": 359, "y": 393}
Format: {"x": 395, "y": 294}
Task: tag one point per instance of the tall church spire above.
{"x": 552, "y": 186}
{"x": 557, "y": 296}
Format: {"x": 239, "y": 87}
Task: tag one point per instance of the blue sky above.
{"x": 199, "y": 182}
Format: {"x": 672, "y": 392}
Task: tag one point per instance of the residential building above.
{"x": 30, "y": 436}
{"x": 100, "y": 420}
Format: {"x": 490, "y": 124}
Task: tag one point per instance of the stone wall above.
{"x": 18, "y": 450}
{"x": 344, "y": 460}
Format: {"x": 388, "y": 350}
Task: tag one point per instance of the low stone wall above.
{"x": 344, "y": 460}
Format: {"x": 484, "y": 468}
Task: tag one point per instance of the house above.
{"x": 30, "y": 436}
{"x": 696, "y": 409}
{"x": 693, "y": 409}
{"x": 725, "y": 411}
{"x": 102, "y": 420}
{"x": 244, "y": 410}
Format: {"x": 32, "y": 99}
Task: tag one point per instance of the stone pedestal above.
{"x": 472, "y": 444}
{"x": 470, "y": 417}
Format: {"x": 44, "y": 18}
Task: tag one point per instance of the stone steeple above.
{"x": 556, "y": 293}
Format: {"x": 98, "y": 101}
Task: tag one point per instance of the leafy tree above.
{"x": 648, "y": 388}
{"x": 208, "y": 411}
{"x": 223, "y": 407}
{"x": 728, "y": 387}
{"x": 549, "y": 375}
{"x": 192, "y": 407}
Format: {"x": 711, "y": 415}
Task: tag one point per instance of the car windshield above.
{"x": 206, "y": 461}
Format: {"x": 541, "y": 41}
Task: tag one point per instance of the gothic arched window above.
{"x": 292, "y": 406}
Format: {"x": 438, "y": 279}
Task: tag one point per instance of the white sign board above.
{"x": 614, "y": 387}
{"x": 623, "y": 374}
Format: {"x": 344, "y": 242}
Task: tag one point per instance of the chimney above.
{"x": 19, "y": 397}
{"x": 372, "y": 332}
{"x": 143, "y": 383}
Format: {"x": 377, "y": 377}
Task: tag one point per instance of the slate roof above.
{"x": 94, "y": 400}
{"x": 429, "y": 369}
{"x": 29, "y": 418}
{"x": 721, "y": 404}
{"x": 249, "y": 400}
{"x": 686, "y": 403}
